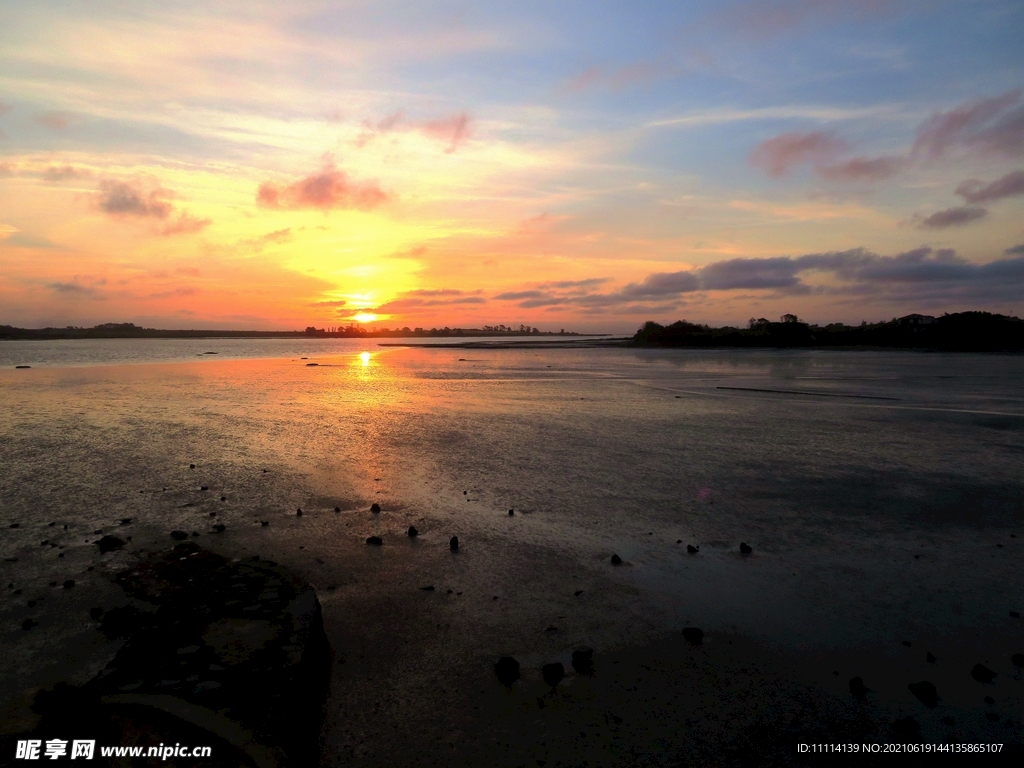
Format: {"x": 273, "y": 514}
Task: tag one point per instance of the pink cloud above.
{"x": 453, "y": 130}
{"x": 4, "y": 108}
{"x": 186, "y": 224}
{"x": 1010, "y": 185}
{"x": 64, "y": 173}
{"x": 118, "y": 198}
{"x": 58, "y": 121}
{"x": 987, "y": 125}
{"x": 864, "y": 169}
{"x": 778, "y": 155}
{"x": 330, "y": 188}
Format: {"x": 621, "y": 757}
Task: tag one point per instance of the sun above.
{"x": 364, "y": 317}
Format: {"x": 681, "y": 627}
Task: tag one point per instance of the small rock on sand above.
{"x": 857, "y": 688}
{"x": 507, "y": 670}
{"x": 693, "y": 635}
{"x": 553, "y": 673}
{"x": 375, "y": 507}
{"x": 453, "y": 543}
{"x": 616, "y": 560}
{"x": 930, "y": 657}
{"x": 1017, "y": 659}
{"x": 926, "y": 692}
{"x": 983, "y": 674}
{"x": 377, "y": 540}
{"x": 412, "y": 532}
{"x": 179, "y": 535}
{"x": 69, "y": 584}
{"x": 692, "y": 549}
{"x": 109, "y": 544}
{"x": 745, "y": 548}
{"x": 95, "y": 613}
{"x": 27, "y": 624}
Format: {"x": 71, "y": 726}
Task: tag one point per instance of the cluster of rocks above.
{"x": 507, "y": 668}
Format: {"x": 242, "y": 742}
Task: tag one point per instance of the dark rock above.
{"x": 511, "y": 512}
{"x": 578, "y": 592}
{"x": 930, "y": 658}
{"x": 906, "y": 643}
{"x": 223, "y": 498}
{"x": 616, "y": 560}
{"x": 191, "y": 466}
{"x": 264, "y": 523}
{"x": 983, "y": 674}
{"x": 337, "y": 509}
{"x": 745, "y": 548}
{"x": 50, "y": 525}
{"x": 121, "y": 621}
{"x": 179, "y": 535}
{"x": 22, "y": 366}
{"x": 204, "y": 487}
{"x": 428, "y": 589}
{"x": 551, "y": 628}
{"x": 507, "y": 670}
{"x": 109, "y": 544}
{"x": 95, "y": 613}
{"x": 298, "y": 512}
{"x": 993, "y": 716}
{"x": 679, "y": 541}
{"x": 947, "y": 720}
{"x": 1017, "y": 659}
{"x": 14, "y": 525}
{"x": 583, "y": 661}
{"x": 857, "y": 688}
{"x": 926, "y": 692}
{"x": 31, "y": 603}
{"x": 989, "y": 700}
{"x": 213, "y": 514}
{"x": 27, "y": 624}
{"x": 412, "y": 532}
{"x": 97, "y": 533}
{"x": 219, "y": 528}
{"x": 692, "y": 549}
{"x": 232, "y": 654}
{"x": 375, "y": 507}
{"x": 453, "y": 543}
{"x": 377, "y": 540}
{"x": 1015, "y": 614}
{"x": 124, "y": 521}
{"x": 693, "y": 635}
{"x": 195, "y": 534}
{"x": 68, "y": 584}
{"x": 553, "y": 673}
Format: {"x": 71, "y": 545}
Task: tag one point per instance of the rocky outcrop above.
{"x": 233, "y": 656}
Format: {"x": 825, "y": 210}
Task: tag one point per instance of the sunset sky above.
{"x": 583, "y": 165}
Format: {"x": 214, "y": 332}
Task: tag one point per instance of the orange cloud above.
{"x": 330, "y": 188}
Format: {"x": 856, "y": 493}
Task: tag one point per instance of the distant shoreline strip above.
{"x": 805, "y": 392}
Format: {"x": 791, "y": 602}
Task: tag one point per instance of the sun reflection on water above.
{"x": 364, "y": 358}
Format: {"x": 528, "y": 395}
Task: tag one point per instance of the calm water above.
{"x": 878, "y": 489}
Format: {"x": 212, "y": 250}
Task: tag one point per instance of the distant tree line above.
{"x": 353, "y": 330}
{"x": 961, "y": 331}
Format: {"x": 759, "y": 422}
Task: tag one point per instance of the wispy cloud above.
{"x": 952, "y": 217}
{"x": 779, "y": 155}
{"x": 57, "y": 121}
{"x": 1010, "y": 185}
{"x": 451, "y": 130}
{"x": 58, "y": 173}
{"x": 992, "y": 126}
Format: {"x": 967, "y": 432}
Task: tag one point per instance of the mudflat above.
{"x": 879, "y": 495}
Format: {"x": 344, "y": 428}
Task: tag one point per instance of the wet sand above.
{"x": 413, "y": 680}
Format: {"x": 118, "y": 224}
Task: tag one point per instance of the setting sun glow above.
{"x": 364, "y": 317}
